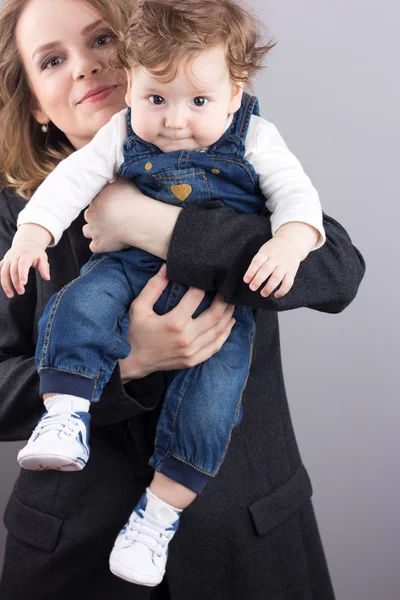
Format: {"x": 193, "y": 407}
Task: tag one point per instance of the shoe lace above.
{"x": 66, "y": 423}
{"x": 146, "y": 529}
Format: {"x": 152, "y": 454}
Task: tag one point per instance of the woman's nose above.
{"x": 86, "y": 67}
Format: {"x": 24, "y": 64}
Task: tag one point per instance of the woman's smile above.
{"x": 98, "y": 94}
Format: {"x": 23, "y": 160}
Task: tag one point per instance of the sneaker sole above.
{"x": 121, "y": 571}
{"x": 49, "y": 462}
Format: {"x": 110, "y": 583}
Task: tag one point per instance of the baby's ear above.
{"x": 128, "y": 87}
{"x": 237, "y": 94}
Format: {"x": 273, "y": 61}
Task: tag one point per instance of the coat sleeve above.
{"x": 212, "y": 247}
{"x": 20, "y": 403}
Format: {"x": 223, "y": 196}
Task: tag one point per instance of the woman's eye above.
{"x": 104, "y": 39}
{"x": 157, "y": 100}
{"x": 200, "y": 101}
{"x": 51, "y": 62}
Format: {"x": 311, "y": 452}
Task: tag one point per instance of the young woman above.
{"x": 262, "y": 543}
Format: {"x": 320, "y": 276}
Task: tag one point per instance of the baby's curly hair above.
{"x": 169, "y": 32}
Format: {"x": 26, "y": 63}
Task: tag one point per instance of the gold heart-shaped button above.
{"x": 181, "y": 191}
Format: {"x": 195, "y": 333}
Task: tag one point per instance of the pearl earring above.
{"x": 45, "y": 128}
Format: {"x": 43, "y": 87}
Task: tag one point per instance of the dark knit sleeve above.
{"x": 212, "y": 247}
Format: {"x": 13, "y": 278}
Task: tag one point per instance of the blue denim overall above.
{"x": 82, "y": 333}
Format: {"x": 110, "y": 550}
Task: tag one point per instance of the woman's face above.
{"x": 65, "y": 47}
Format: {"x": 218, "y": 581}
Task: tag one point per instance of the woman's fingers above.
{"x": 180, "y": 316}
{"x": 151, "y": 292}
{"x": 218, "y": 311}
{"x": 209, "y": 345}
{"x": 212, "y": 337}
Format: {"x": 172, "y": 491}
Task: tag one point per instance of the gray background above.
{"x": 332, "y": 89}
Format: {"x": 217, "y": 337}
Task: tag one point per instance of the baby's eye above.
{"x": 199, "y": 101}
{"x": 157, "y": 100}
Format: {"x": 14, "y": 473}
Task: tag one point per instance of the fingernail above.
{"x": 246, "y": 279}
{"x": 163, "y": 270}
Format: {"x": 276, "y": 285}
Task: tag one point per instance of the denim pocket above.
{"x": 278, "y": 506}
{"x": 183, "y": 187}
{"x": 31, "y": 526}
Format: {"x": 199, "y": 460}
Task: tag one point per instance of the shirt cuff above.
{"x": 41, "y": 217}
{"x": 299, "y": 218}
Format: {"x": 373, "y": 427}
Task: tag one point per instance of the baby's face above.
{"x": 191, "y": 111}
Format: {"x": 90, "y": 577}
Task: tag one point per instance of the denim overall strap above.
{"x": 129, "y": 130}
{"x": 233, "y": 140}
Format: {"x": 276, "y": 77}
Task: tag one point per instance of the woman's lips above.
{"x": 99, "y": 96}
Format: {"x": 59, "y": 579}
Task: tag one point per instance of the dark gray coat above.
{"x": 252, "y": 533}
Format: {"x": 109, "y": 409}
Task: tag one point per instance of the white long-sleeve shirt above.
{"x": 289, "y": 193}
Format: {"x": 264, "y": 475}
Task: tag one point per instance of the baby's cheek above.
{"x": 144, "y": 128}
{"x": 210, "y": 132}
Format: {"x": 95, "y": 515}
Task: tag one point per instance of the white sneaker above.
{"x": 60, "y": 441}
{"x": 141, "y": 549}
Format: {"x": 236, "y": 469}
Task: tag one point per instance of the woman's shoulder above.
{"x": 11, "y": 205}
{"x": 11, "y": 202}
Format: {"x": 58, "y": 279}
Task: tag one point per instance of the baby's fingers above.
{"x": 255, "y": 265}
{"x": 24, "y": 264}
{"x": 42, "y": 265}
{"x": 15, "y": 275}
{"x": 5, "y": 279}
{"x": 262, "y": 275}
{"x": 273, "y": 282}
{"x": 286, "y": 285}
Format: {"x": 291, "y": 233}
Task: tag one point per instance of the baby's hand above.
{"x": 16, "y": 264}
{"x": 278, "y": 261}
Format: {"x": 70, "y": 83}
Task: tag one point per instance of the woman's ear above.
{"x": 236, "y": 99}
{"x": 38, "y": 114}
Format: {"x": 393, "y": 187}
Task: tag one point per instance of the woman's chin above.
{"x": 101, "y": 112}
{"x": 102, "y": 115}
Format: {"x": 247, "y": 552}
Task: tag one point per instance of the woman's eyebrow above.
{"x": 84, "y": 31}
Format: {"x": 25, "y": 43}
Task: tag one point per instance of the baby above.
{"x": 191, "y": 134}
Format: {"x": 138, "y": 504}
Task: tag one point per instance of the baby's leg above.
{"x": 200, "y": 409}
{"x": 172, "y": 492}
{"x": 81, "y": 336}
{"x": 82, "y": 332}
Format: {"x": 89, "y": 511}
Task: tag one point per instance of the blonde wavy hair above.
{"x": 27, "y": 156}
{"x": 172, "y": 32}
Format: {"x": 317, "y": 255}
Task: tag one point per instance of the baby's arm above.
{"x": 28, "y": 250}
{"x": 278, "y": 259}
{"x": 296, "y": 214}
{"x": 58, "y": 201}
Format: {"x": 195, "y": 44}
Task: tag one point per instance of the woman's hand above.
{"x": 121, "y": 216}
{"x": 174, "y": 340}
{"x": 108, "y": 217}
